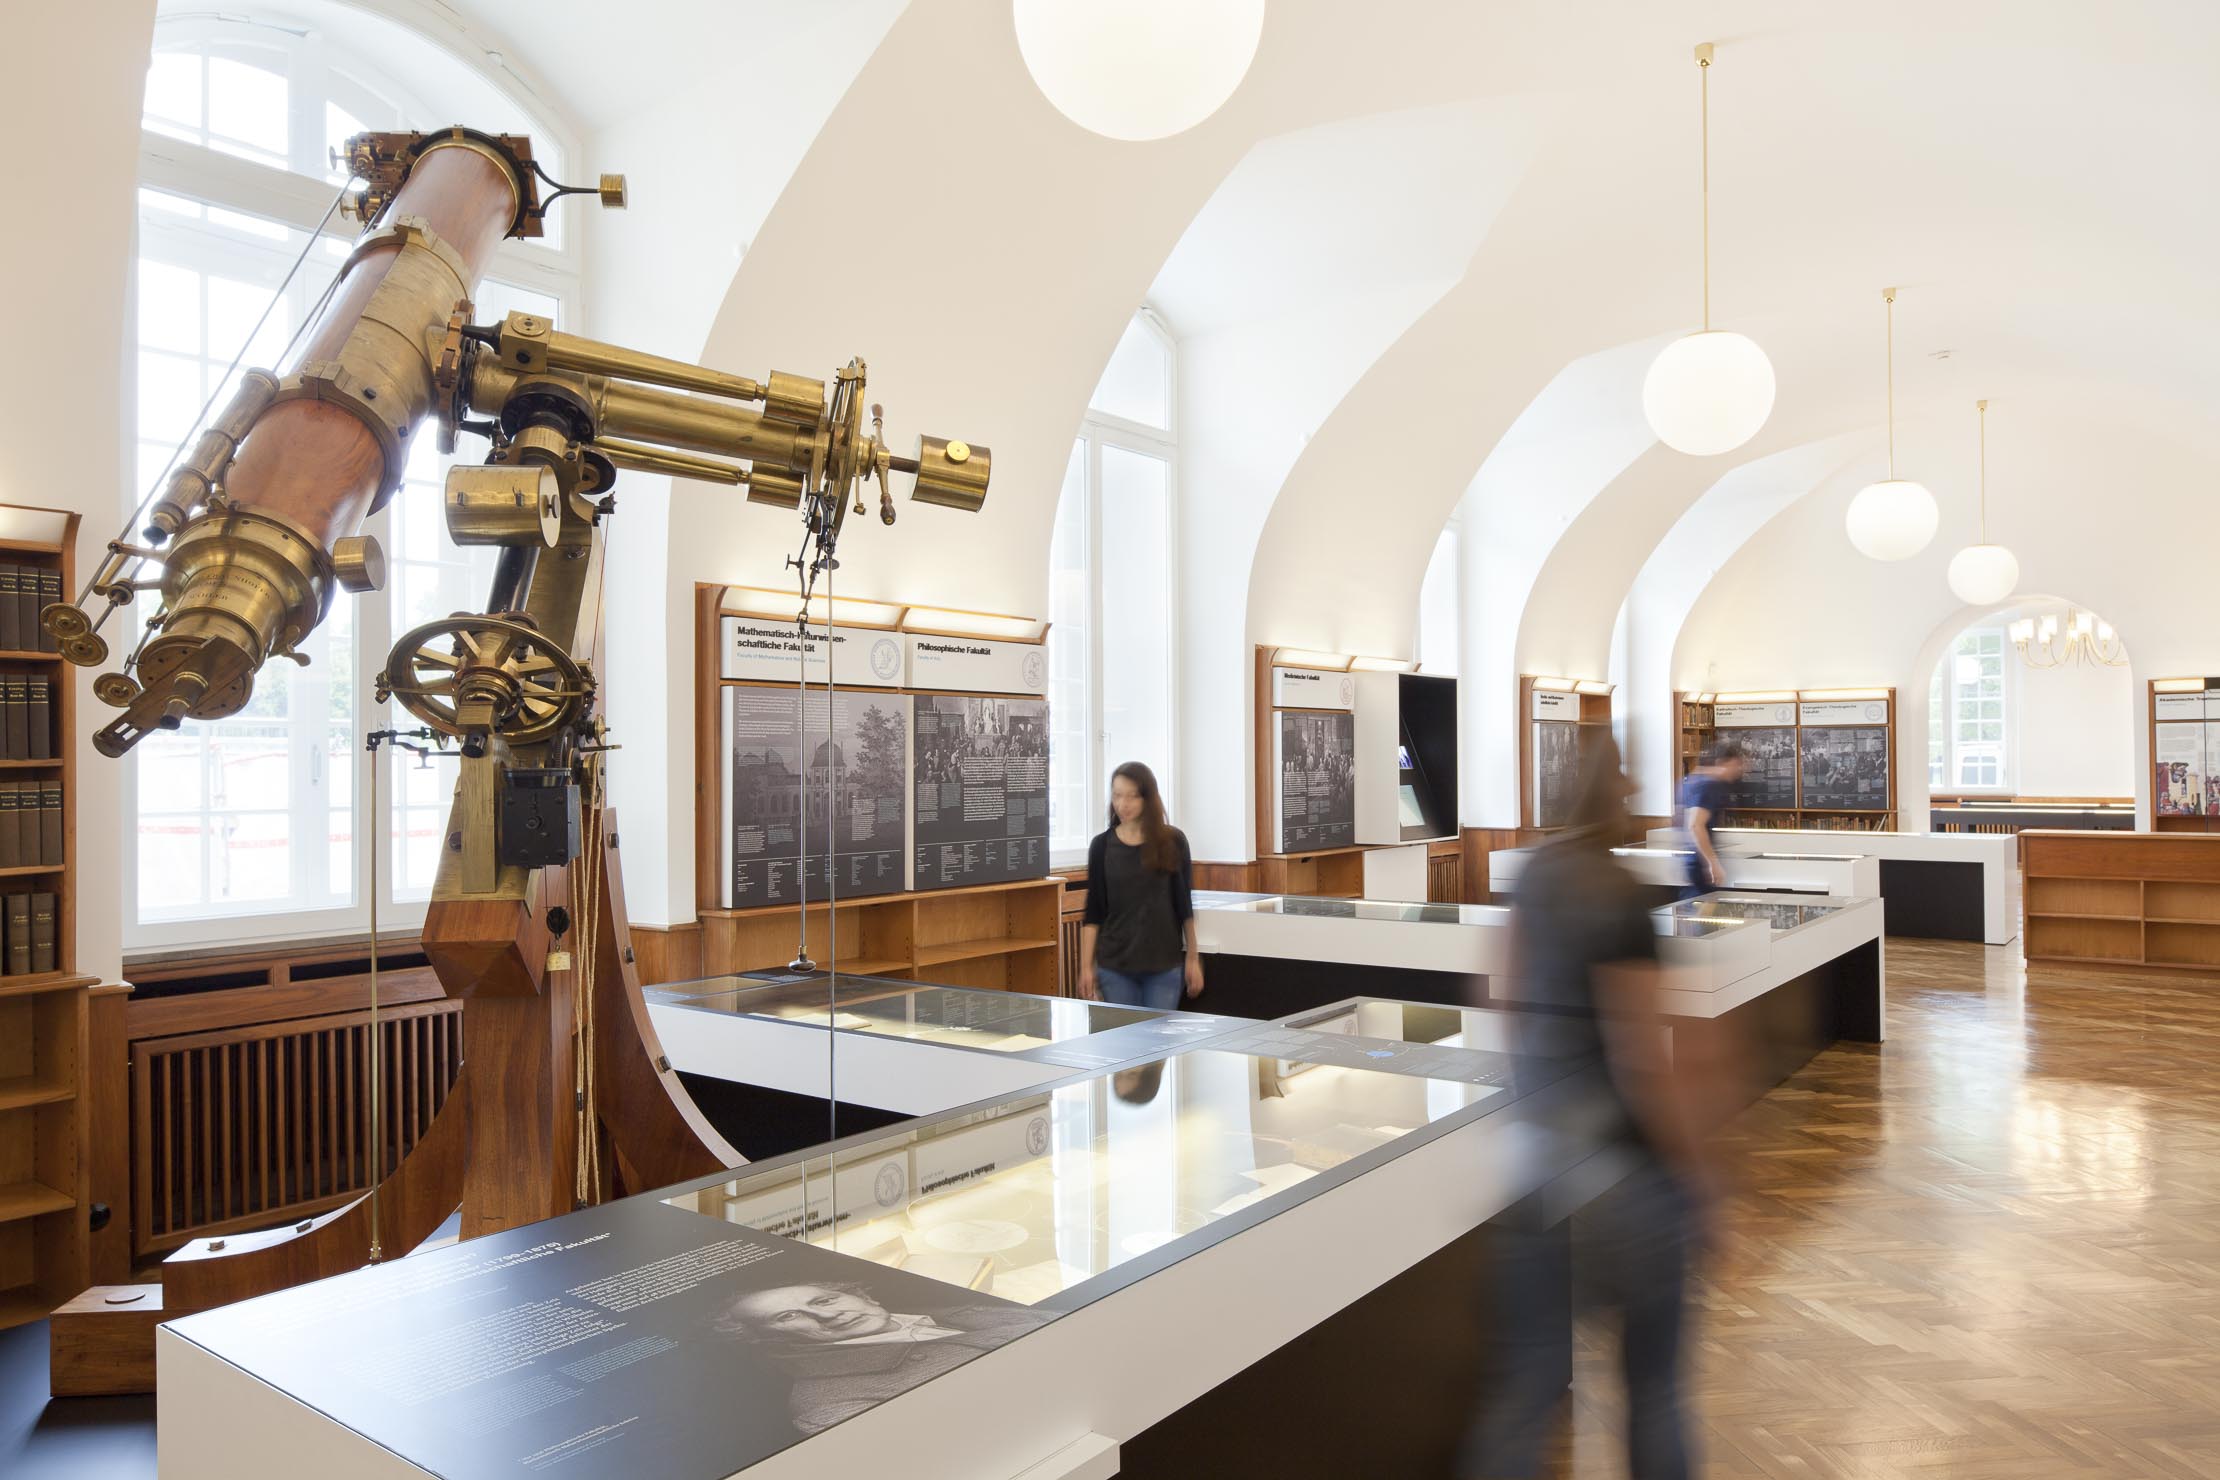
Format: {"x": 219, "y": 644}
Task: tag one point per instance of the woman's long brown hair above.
{"x": 1159, "y": 845}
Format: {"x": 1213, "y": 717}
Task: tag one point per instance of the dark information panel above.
{"x": 981, "y": 766}
{"x": 1770, "y": 781}
{"x": 1846, "y": 768}
{"x": 1318, "y": 793}
{"x": 787, "y": 768}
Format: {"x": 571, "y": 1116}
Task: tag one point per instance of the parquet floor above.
{"x": 1990, "y": 1248}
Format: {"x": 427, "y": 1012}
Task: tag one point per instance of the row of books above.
{"x": 26, "y": 716}
{"x": 24, "y": 591}
{"x": 31, "y": 823}
{"x": 27, "y": 921}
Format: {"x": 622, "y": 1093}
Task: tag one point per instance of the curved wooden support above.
{"x": 659, "y": 1136}
{"x": 413, "y": 1200}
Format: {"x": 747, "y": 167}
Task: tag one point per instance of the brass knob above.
{"x": 359, "y": 563}
{"x": 612, "y": 192}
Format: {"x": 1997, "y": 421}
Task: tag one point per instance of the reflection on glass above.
{"x": 1358, "y": 909}
{"x": 1028, "y": 1199}
{"x": 999, "y": 1022}
{"x": 1777, "y": 914}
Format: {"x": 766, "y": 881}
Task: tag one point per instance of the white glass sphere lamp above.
{"x": 1983, "y": 574}
{"x": 1708, "y": 393}
{"x": 1138, "y": 70}
{"x": 1895, "y": 518}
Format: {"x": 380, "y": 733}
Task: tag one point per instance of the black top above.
{"x": 1576, "y": 910}
{"x": 1141, "y": 912}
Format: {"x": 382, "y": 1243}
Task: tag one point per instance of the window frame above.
{"x": 212, "y": 177}
{"x": 1958, "y": 748}
{"x": 1098, "y": 429}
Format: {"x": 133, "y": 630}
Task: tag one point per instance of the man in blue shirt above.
{"x": 1703, "y": 799}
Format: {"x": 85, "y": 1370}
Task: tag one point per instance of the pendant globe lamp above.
{"x": 1709, "y": 392}
{"x": 1895, "y": 518}
{"x": 1138, "y": 70}
{"x": 1983, "y": 574}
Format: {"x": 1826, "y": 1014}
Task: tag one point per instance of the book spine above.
{"x": 15, "y": 709}
{"x": 27, "y": 607}
{"x": 50, "y": 592}
{"x": 41, "y": 721}
{"x": 50, "y": 824}
{"x": 19, "y": 935}
{"x": 11, "y": 577}
{"x": 42, "y": 933}
{"x": 11, "y": 850}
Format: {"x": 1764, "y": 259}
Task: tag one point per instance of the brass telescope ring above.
{"x": 526, "y": 686}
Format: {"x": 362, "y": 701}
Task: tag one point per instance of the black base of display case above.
{"x": 1268, "y": 987}
{"x": 1385, "y": 1387}
{"x": 762, "y": 1123}
{"x": 1940, "y": 901}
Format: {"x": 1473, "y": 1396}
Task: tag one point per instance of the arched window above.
{"x": 247, "y": 828}
{"x": 1112, "y": 654}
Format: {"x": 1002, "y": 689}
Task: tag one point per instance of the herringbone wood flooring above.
{"x": 1990, "y": 1247}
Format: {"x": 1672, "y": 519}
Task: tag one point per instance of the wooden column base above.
{"x": 102, "y": 1342}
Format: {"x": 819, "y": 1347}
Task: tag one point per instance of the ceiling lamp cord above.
{"x": 1703, "y": 73}
{"x": 1888, "y": 296}
{"x": 1983, "y": 408}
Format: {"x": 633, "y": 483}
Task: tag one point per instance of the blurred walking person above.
{"x": 1587, "y": 960}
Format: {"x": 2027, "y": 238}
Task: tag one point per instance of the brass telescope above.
{"x": 250, "y": 539}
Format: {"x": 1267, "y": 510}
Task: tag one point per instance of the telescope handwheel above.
{"x": 449, "y": 671}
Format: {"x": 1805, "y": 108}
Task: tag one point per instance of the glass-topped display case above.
{"x": 1110, "y": 1175}
{"x": 1355, "y": 909}
{"x": 1054, "y": 1030}
{"x": 1778, "y": 913}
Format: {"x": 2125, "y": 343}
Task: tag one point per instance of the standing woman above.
{"x": 1137, "y": 941}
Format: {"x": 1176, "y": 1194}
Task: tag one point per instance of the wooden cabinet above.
{"x": 45, "y": 1160}
{"x": 2123, "y": 899}
{"x": 1004, "y": 937}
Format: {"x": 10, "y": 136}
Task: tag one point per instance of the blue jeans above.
{"x": 1157, "y": 989}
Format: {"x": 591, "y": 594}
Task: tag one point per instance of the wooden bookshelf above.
{"x": 45, "y": 1156}
{"x": 2122, "y": 899}
{"x": 1003, "y": 937}
{"x": 1695, "y": 728}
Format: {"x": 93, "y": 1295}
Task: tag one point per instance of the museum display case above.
{"x": 953, "y": 1017}
{"x": 1060, "y": 1195}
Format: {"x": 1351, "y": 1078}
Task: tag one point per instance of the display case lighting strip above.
{"x": 2179, "y": 685}
{"x": 951, "y": 622}
{"x": 1306, "y": 658}
{"x": 1383, "y": 665}
{"x": 1845, "y": 693}
{"x": 1590, "y": 686}
{"x": 1756, "y": 696}
{"x": 1554, "y": 685}
{"x": 754, "y": 601}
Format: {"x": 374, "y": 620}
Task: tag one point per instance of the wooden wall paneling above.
{"x": 289, "y": 1001}
{"x": 668, "y": 953}
{"x": 1232, "y": 878}
{"x": 107, "y": 1096}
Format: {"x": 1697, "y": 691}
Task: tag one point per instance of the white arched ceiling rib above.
{"x": 2101, "y": 504}
{"x": 1278, "y": 312}
{"x": 1706, "y": 535}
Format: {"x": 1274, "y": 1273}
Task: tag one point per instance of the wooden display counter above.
{"x": 2149, "y": 900}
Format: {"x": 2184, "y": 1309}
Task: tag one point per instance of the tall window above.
{"x": 246, "y": 828}
{"x": 1966, "y": 747}
{"x": 1111, "y": 647}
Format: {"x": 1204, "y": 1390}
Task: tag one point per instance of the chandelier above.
{"x": 2086, "y": 639}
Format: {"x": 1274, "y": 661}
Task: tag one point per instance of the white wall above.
{"x": 67, "y": 264}
{"x": 2072, "y": 729}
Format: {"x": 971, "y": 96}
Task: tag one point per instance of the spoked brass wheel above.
{"x": 493, "y": 675}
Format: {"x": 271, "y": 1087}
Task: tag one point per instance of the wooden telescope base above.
{"x": 503, "y": 1148}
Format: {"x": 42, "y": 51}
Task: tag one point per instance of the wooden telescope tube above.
{"x": 254, "y": 575}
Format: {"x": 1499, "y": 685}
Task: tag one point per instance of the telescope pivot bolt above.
{"x": 612, "y": 192}
{"x": 359, "y": 563}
